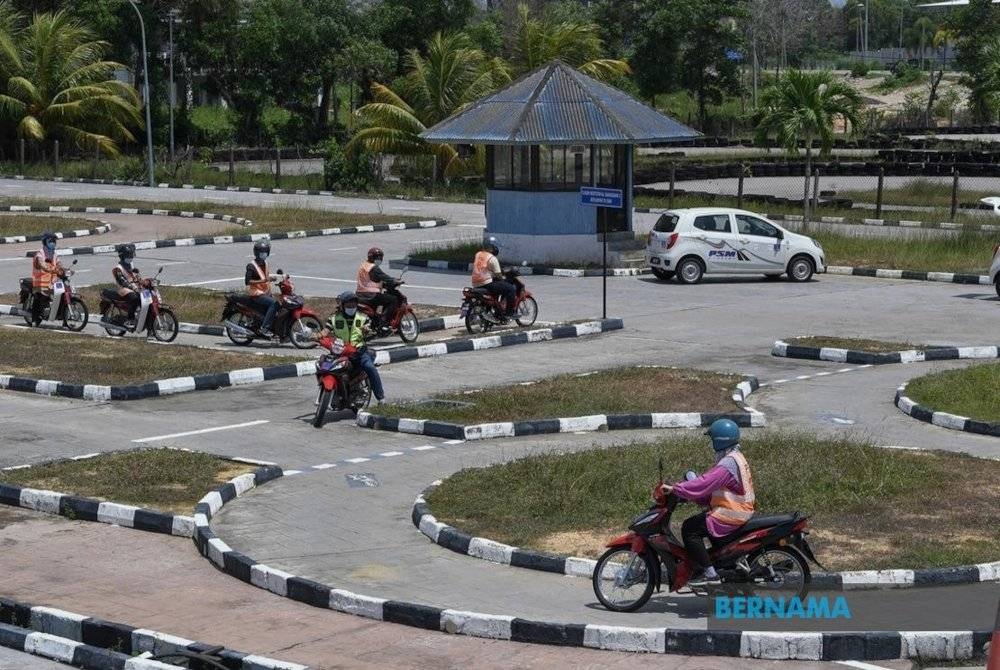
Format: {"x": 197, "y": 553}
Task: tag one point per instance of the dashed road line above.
{"x": 802, "y": 378}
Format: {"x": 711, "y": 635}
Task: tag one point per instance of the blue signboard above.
{"x": 601, "y": 197}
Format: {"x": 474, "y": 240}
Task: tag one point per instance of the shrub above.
{"x": 860, "y": 69}
{"x": 212, "y": 126}
{"x": 354, "y": 171}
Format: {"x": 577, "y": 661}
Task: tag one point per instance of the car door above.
{"x": 762, "y": 243}
{"x": 714, "y": 233}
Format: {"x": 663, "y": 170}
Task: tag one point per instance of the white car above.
{"x": 688, "y": 243}
{"x": 995, "y": 269}
{"x": 992, "y": 203}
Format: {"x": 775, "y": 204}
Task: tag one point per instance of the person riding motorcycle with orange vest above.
{"x": 45, "y": 268}
{"x": 128, "y": 279}
{"x": 371, "y": 279}
{"x": 486, "y": 273}
{"x": 727, "y": 489}
{"x": 258, "y": 283}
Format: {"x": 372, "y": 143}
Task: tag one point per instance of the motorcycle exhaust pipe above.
{"x": 114, "y": 326}
{"x": 238, "y": 329}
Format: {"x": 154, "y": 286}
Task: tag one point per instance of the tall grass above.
{"x": 965, "y": 251}
{"x": 973, "y": 392}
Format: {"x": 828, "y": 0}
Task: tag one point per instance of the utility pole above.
{"x": 171, "y": 16}
{"x": 145, "y": 90}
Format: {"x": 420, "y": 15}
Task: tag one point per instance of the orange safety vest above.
{"x": 263, "y": 285}
{"x": 130, "y": 274}
{"x": 42, "y": 278}
{"x": 728, "y": 506}
{"x": 481, "y": 274}
{"x": 365, "y": 283}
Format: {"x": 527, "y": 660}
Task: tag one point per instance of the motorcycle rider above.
{"x": 486, "y": 273}
{"x": 350, "y": 325}
{"x": 258, "y": 283}
{"x": 45, "y": 268}
{"x": 371, "y": 280}
{"x": 727, "y": 490}
{"x": 128, "y": 280}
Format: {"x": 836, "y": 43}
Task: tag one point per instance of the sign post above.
{"x": 610, "y": 198}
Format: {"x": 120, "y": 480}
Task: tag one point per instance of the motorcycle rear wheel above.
{"x": 299, "y": 329}
{"x": 527, "y": 312}
{"x": 244, "y": 321}
{"x": 779, "y": 569}
{"x": 620, "y": 592}
{"x": 409, "y": 327}
{"x": 476, "y": 321}
{"x": 114, "y": 315}
{"x": 76, "y": 315}
{"x": 324, "y": 404}
{"x": 165, "y": 326}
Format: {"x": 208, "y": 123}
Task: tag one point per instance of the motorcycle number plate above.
{"x": 58, "y": 286}
{"x": 147, "y": 295}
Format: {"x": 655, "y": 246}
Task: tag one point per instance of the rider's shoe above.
{"x": 130, "y": 323}
{"x": 701, "y": 580}
{"x": 266, "y": 334}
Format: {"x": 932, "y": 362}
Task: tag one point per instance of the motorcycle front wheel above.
{"x": 623, "y": 581}
{"x": 476, "y": 321}
{"x": 527, "y": 312}
{"x": 244, "y": 321}
{"x": 409, "y": 327}
{"x": 779, "y": 570}
{"x": 77, "y": 315}
{"x": 26, "y": 311}
{"x": 324, "y": 404}
{"x": 301, "y": 332}
{"x": 165, "y": 326}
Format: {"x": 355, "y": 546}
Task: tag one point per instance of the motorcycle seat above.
{"x": 108, "y": 294}
{"x": 240, "y": 299}
{"x": 757, "y": 522}
{"x": 479, "y": 290}
{"x": 25, "y": 283}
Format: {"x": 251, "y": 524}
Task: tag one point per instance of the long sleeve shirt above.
{"x": 700, "y": 490}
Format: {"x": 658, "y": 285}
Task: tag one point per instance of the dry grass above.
{"x": 614, "y": 391}
{"x": 32, "y": 224}
{"x": 166, "y": 480}
{"x": 852, "y": 343}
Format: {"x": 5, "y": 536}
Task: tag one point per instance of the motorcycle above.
{"x": 62, "y": 304}
{"x": 483, "y": 311}
{"x": 293, "y": 321}
{"x": 403, "y": 321}
{"x": 768, "y": 553}
{"x": 152, "y": 315}
{"x": 342, "y": 384}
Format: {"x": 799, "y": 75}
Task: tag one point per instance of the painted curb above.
{"x": 592, "y": 423}
{"x": 239, "y": 239}
{"x": 783, "y": 349}
{"x": 461, "y": 542}
{"x": 96, "y": 644}
{"x": 884, "y": 223}
{"x": 880, "y": 273}
{"x": 62, "y": 235}
{"x": 934, "y": 645}
{"x": 426, "y": 325}
{"x": 61, "y": 209}
{"x": 943, "y": 419}
{"x": 454, "y": 266}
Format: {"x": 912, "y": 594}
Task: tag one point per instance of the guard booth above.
{"x": 547, "y": 135}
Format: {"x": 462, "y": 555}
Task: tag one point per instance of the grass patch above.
{"x": 614, "y": 391}
{"x": 167, "y": 480}
{"x": 202, "y": 305}
{"x": 31, "y": 224}
{"x": 852, "y": 343}
{"x": 869, "y": 506}
{"x": 965, "y": 251}
{"x": 81, "y": 359}
{"x": 919, "y": 192}
{"x": 971, "y": 392}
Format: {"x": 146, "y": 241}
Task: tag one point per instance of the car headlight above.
{"x": 818, "y": 245}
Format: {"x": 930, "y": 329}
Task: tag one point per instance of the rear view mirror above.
{"x": 160, "y": 270}
{"x": 75, "y": 261}
{"x": 280, "y": 271}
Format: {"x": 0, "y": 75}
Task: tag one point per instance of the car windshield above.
{"x": 666, "y": 223}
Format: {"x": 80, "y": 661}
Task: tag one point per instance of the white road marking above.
{"x": 860, "y": 665}
{"x": 212, "y": 281}
{"x": 355, "y": 281}
{"x": 356, "y": 460}
{"x": 803, "y": 376}
{"x": 454, "y": 441}
{"x": 165, "y": 263}
{"x": 390, "y": 454}
{"x": 324, "y": 466}
{"x": 342, "y": 249}
{"x": 19, "y": 258}
{"x": 470, "y": 225}
{"x": 289, "y": 473}
{"x": 406, "y": 209}
{"x": 201, "y": 432}
{"x": 424, "y": 448}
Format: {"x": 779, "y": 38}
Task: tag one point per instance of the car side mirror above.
{"x": 780, "y": 235}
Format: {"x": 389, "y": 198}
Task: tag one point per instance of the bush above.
{"x": 860, "y": 69}
{"x": 348, "y": 171}
{"x": 212, "y": 126}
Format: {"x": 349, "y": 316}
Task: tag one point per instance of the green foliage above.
{"x": 276, "y": 124}
{"x": 967, "y": 392}
{"x": 353, "y": 171}
{"x": 904, "y": 76}
{"x": 977, "y": 26}
{"x": 860, "y": 69}
{"x": 212, "y": 126}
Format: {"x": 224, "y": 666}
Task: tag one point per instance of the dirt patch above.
{"x": 853, "y": 343}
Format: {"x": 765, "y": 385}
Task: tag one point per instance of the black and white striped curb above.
{"x": 456, "y": 540}
{"x": 576, "y": 424}
{"x": 883, "y": 223}
{"x": 426, "y": 325}
{"x": 96, "y": 644}
{"x": 61, "y": 209}
{"x": 188, "y": 187}
{"x": 943, "y": 419}
{"x": 238, "y": 239}
{"x": 881, "y": 273}
{"x": 935, "y": 645}
{"x": 783, "y": 349}
{"x": 455, "y": 266}
{"x": 62, "y": 235}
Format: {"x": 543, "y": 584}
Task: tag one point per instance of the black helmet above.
{"x": 375, "y": 253}
{"x": 261, "y": 248}
{"x": 125, "y": 250}
{"x": 492, "y": 245}
{"x": 347, "y": 296}
{"x": 48, "y": 236}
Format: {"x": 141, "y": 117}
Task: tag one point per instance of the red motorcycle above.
{"x": 293, "y": 322}
{"x": 342, "y": 384}
{"x": 768, "y": 553}
{"x": 403, "y": 321}
{"x": 483, "y": 311}
{"x": 152, "y": 316}
{"x": 60, "y": 305}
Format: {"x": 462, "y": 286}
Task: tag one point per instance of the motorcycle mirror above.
{"x": 280, "y": 271}
{"x": 160, "y": 270}
{"x": 689, "y": 475}
{"x": 75, "y": 261}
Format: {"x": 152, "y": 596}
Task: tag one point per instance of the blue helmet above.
{"x": 725, "y": 434}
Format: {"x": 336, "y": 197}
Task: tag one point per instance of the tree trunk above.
{"x": 702, "y": 112}
{"x": 323, "y": 115}
{"x": 935, "y": 80}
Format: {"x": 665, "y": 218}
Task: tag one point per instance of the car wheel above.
{"x": 665, "y": 275}
{"x": 801, "y": 269}
{"x": 998, "y": 286}
{"x": 690, "y": 271}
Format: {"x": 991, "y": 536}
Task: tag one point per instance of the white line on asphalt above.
{"x": 470, "y": 225}
{"x": 342, "y": 249}
{"x": 19, "y": 258}
{"x": 289, "y": 473}
{"x": 165, "y": 263}
{"x": 454, "y": 441}
{"x": 389, "y": 454}
{"x": 201, "y": 432}
{"x": 803, "y": 376}
{"x": 424, "y": 448}
{"x": 324, "y": 466}
{"x": 213, "y": 281}
{"x": 356, "y": 460}
{"x": 780, "y": 381}
{"x": 862, "y": 666}
{"x": 406, "y": 209}
{"x": 354, "y": 281}
{"x": 845, "y": 369}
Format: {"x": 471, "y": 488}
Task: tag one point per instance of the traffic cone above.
{"x": 994, "y": 660}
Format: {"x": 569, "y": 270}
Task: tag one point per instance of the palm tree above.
{"x": 804, "y": 106}
{"x": 986, "y": 91}
{"x": 10, "y": 23}
{"x": 540, "y": 39}
{"x": 58, "y": 85}
{"x": 452, "y": 75}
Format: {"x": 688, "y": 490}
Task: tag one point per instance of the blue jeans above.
{"x": 366, "y": 359}
{"x": 269, "y": 304}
